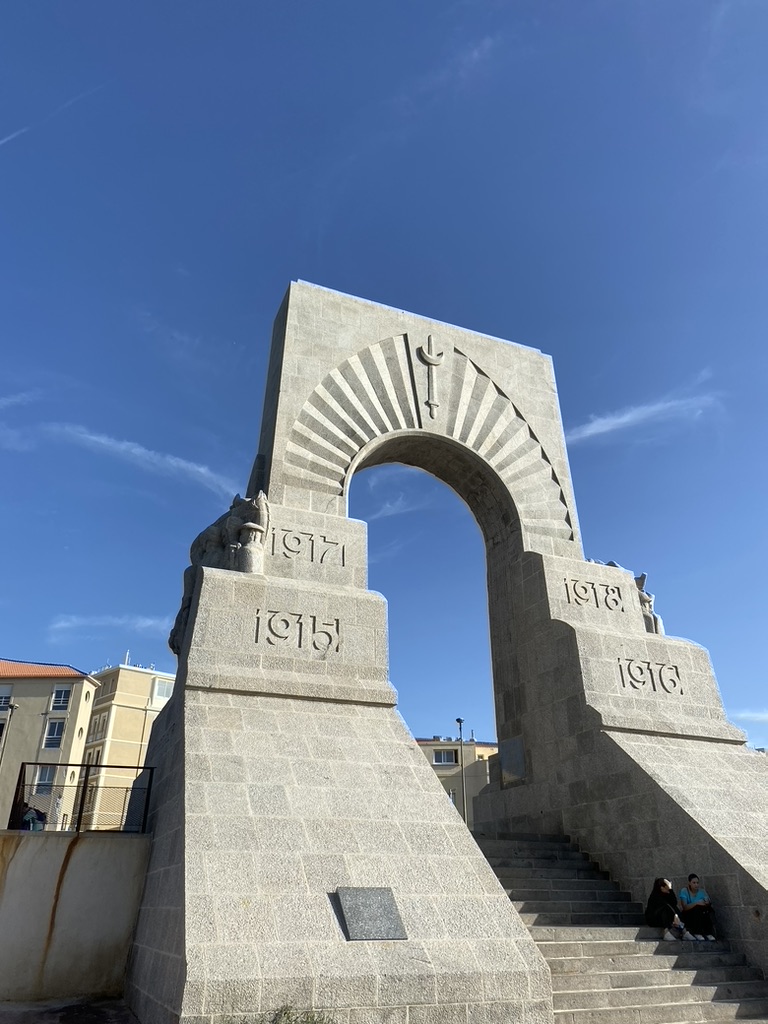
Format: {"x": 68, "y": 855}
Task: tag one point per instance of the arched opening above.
{"x": 454, "y": 628}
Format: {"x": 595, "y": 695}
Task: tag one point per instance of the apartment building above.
{"x": 444, "y": 753}
{"x": 44, "y": 715}
{"x": 128, "y": 701}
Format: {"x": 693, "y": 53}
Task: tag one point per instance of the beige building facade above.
{"x": 44, "y": 715}
{"x": 447, "y": 756}
{"x": 128, "y": 701}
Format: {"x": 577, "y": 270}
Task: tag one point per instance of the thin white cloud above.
{"x": 54, "y": 113}
{"x": 390, "y": 475}
{"x": 151, "y": 461}
{"x": 456, "y": 72}
{"x": 64, "y": 624}
{"x": 398, "y": 506}
{"x": 387, "y": 551}
{"x": 14, "y": 440}
{"x": 750, "y": 716}
{"x": 665, "y": 410}
{"x": 21, "y": 397}
{"x": 14, "y": 135}
{"x": 72, "y": 100}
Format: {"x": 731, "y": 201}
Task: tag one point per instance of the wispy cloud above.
{"x": 21, "y": 397}
{"x": 399, "y": 505}
{"x": 64, "y": 624}
{"x": 180, "y": 343}
{"x": 14, "y": 440}
{"x": 750, "y": 716}
{"x": 387, "y": 551}
{"x": 667, "y": 409}
{"x": 151, "y": 461}
{"x": 457, "y": 71}
{"x": 14, "y": 135}
{"x": 54, "y": 113}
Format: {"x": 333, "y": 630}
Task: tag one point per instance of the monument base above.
{"x": 286, "y": 800}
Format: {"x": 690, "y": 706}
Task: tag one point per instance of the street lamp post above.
{"x": 460, "y": 723}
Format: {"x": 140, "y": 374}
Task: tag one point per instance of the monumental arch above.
{"x": 304, "y": 852}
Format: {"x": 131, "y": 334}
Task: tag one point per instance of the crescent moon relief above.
{"x": 373, "y": 393}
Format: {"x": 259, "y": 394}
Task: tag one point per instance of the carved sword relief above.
{"x": 431, "y": 359}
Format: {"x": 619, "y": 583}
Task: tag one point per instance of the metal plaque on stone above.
{"x": 369, "y": 914}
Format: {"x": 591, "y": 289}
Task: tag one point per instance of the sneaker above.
{"x": 668, "y": 936}
{"x": 711, "y": 938}
{"x": 699, "y": 937}
{"x": 687, "y": 937}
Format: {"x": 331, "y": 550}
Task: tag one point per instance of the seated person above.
{"x": 696, "y": 910}
{"x": 661, "y": 911}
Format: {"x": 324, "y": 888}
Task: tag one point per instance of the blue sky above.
{"x": 586, "y": 178}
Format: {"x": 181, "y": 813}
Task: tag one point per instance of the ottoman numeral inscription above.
{"x": 580, "y": 592}
{"x": 293, "y": 629}
{"x": 308, "y": 546}
{"x": 638, "y": 674}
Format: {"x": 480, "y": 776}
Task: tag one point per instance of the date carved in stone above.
{"x": 309, "y": 547}
{"x": 601, "y": 595}
{"x": 658, "y": 676}
{"x": 294, "y": 629}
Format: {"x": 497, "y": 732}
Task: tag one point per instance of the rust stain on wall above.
{"x": 9, "y": 846}
{"x": 55, "y": 905}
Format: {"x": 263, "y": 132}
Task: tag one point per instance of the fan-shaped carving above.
{"x": 373, "y": 393}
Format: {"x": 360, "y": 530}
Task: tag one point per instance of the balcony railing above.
{"x": 81, "y": 797}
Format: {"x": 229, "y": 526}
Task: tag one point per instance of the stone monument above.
{"x": 304, "y": 851}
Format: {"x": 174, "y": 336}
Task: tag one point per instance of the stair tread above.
{"x": 604, "y": 960}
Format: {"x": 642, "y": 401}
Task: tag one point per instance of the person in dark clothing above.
{"x": 662, "y": 911}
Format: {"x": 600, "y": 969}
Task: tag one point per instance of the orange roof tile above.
{"x": 34, "y": 670}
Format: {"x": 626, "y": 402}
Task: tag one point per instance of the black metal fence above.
{"x": 81, "y": 797}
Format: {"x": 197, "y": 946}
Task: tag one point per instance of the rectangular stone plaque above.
{"x": 512, "y": 761}
{"x": 370, "y": 914}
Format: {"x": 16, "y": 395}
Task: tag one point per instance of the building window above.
{"x": 53, "y": 734}
{"x": 163, "y": 689}
{"x": 60, "y": 700}
{"x": 46, "y": 775}
{"x": 445, "y": 757}
{"x": 2, "y": 730}
{"x": 5, "y": 697}
{"x": 97, "y": 756}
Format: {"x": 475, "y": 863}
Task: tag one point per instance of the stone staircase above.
{"x": 607, "y": 966}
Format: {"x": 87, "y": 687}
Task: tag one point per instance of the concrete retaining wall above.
{"x": 68, "y": 906}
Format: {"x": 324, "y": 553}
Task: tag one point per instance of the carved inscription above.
{"x": 581, "y": 592}
{"x": 637, "y": 675}
{"x": 310, "y": 547}
{"x": 293, "y": 629}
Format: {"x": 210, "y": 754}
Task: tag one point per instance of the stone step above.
{"x": 607, "y": 966}
{"x": 569, "y": 866}
{"x": 513, "y": 869}
{"x": 571, "y": 933}
{"x": 556, "y": 855}
{"x": 524, "y": 837}
{"x": 663, "y": 1012}
{"x": 676, "y": 1013}
{"x": 597, "y": 905}
{"x": 698, "y": 960}
{"x": 599, "y": 999}
{"x": 603, "y": 921}
{"x": 598, "y": 948}
{"x": 558, "y": 885}
{"x": 521, "y": 894}
{"x": 494, "y": 848}
{"x": 658, "y": 977}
